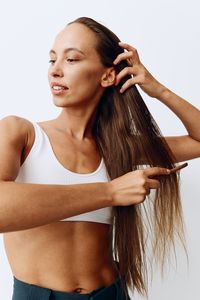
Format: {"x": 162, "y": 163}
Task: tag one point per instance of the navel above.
{"x": 78, "y": 291}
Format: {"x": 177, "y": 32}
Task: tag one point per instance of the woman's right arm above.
{"x": 24, "y": 205}
{"x": 28, "y": 205}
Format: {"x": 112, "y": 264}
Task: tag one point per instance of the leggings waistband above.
{"x": 27, "y": 291}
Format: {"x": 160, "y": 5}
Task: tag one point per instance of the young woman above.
{"x": 71, "y": 188}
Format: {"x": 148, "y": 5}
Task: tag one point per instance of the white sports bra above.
{"x": 41, "y": 166}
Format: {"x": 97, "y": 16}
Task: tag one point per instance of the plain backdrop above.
{"x": 167, "y": 37}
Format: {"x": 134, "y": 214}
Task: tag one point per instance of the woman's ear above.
{"x": 108, "y": 77}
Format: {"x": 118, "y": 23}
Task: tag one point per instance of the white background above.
{"x": 167, "y": 37}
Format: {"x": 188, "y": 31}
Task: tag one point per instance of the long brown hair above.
{"x": 127, "y": 136}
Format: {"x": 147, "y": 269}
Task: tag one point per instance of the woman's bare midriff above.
{"x": 66, "y": 256}
{"x": 71, "y": 256}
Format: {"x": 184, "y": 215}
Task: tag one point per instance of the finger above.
{"x": 151, "y": 172}
{"x": 124, "y": 72}
{"x": 153, "y": 184}
{"x": 130, "y": 82}
{"x": 125, "y": 56}
{"x": 130, "y": 48}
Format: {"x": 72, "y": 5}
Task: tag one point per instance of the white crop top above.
{"x": 41, "y": 166}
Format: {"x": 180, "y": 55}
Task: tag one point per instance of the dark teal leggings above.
{"x": 27, "y": 291}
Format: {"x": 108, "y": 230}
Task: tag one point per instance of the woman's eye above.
{"x": 51, "y": 61}
{"x": 71, "y": 59}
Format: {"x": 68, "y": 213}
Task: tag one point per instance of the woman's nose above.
{"x": 56, "y": 70}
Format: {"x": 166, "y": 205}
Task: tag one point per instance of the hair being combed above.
{"x": 127, "y": 136}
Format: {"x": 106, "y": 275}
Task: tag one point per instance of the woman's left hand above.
{"x": 140, "y": 75}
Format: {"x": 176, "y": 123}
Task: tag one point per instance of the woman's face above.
{"x": 75, "y": 69}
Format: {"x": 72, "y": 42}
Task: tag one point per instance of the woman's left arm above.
{"x": 188, "y": 146}
{"x": 183, "y": 147}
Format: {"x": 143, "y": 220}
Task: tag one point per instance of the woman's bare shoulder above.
{"x": 14, "y": 135}
{"x": 20, "y": 126}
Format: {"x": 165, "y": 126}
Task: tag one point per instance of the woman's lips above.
{"x": 59, "y": 91}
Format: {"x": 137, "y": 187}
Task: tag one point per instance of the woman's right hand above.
{"x": 133, "y": 187}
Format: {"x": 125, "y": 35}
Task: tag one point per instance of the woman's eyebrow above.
{"x": 67, "y": 50}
